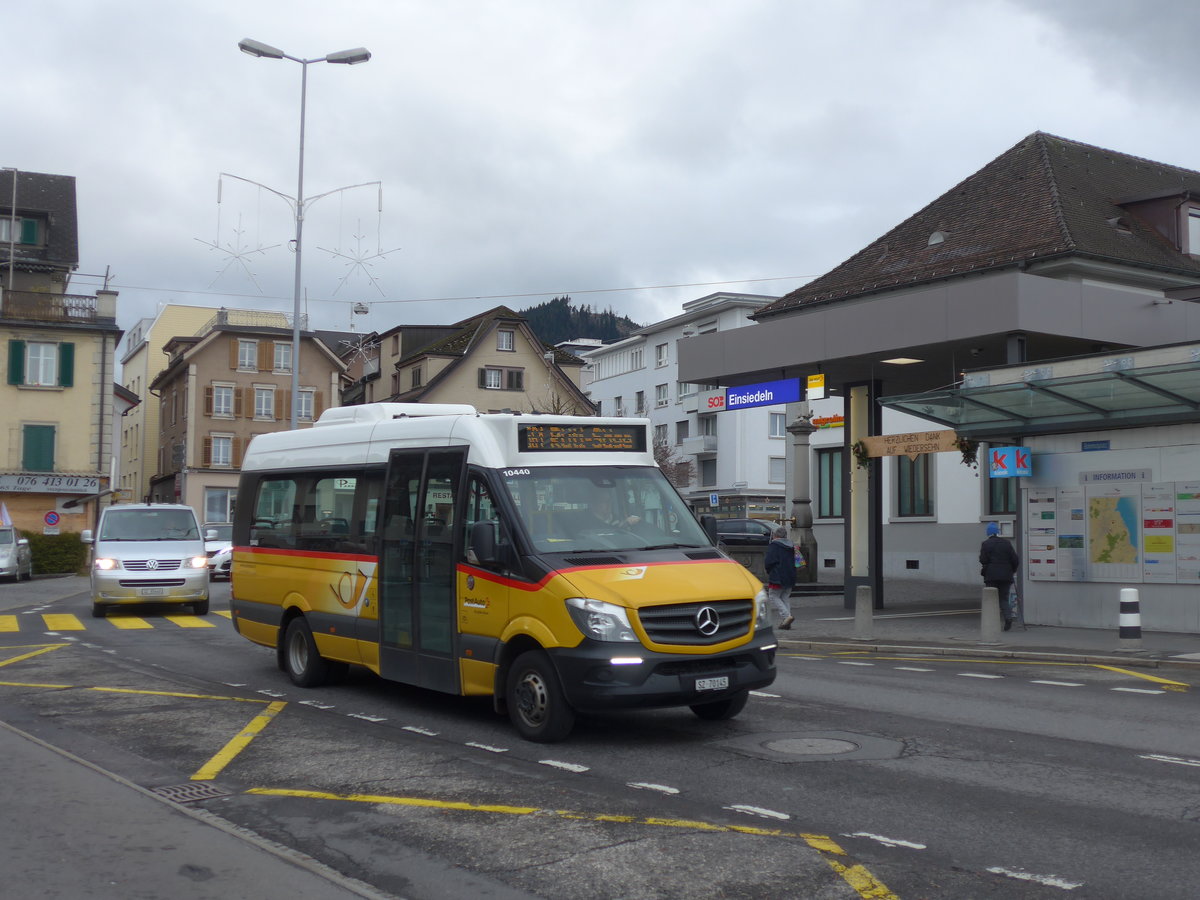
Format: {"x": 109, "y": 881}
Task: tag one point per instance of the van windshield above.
{"x": 6, "y": 536}
{"x": 567, "y": 509}
{"x": 149, "y": 525}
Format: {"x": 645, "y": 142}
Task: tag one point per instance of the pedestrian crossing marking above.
{"x": 9, "y": 623}
{"x": 62, "y": 622}
{"x": 190, "y": 621}
{"x": 129, "y": 622}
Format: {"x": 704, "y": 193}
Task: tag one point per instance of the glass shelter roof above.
{"x": 1116, "y": 398}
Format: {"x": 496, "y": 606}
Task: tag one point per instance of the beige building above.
{"x": 492, "y": 361}
{"x": 220, "y": 388}
{"x": 57, "y": 352}
{"x": 144, "y": 356}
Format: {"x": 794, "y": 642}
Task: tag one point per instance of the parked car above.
{"x": 218, "y": 540}
{"x": 148, "y": 553}
{"x": 740, "y": 532}
{"x": 220, "y": 565}
{"x": 16, "y": 560}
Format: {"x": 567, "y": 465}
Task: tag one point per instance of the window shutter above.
{"x": 38, "y": 452}
{"x": 235, "y": 455}
{"x": 208, "y": 400}
{"x": 318, "y": 405}
{"x": 233, "y": 353}
{"x": 483, "y": 378}
{"x": 29, "y": 231}
{"x": 66, "y": 364}
{"x": 16, "y": 362}
{"x": 206, "y": 453}
{"x": 283, "y": 401}
{"x": 516, "y": 380}
{"x": 238, "y": 403}
{"x": 266, "y": 358}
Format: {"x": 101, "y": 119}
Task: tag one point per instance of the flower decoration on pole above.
{"x": 969, "y": 450}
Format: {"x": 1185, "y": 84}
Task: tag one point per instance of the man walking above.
{"x": 998, "y": 563}
{"x": 780, "y": 563}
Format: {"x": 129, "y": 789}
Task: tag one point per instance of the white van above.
{"x": 148, "y": 553}
{"x": 15, "y": 559}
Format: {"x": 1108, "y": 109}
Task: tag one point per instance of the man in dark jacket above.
{"x": 780, "y": 563}
{"x": 998, "y": 564}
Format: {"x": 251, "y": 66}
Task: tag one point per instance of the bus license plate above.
{"x": 151, "y": 592}
{"x": 712, "y": 684}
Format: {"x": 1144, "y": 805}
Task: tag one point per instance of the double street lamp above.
{"x": 345, "y": 57}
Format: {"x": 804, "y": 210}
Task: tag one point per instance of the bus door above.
{"x": 417, "y": 557}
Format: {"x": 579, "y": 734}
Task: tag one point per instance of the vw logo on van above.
{"x": 707, "y": 621}
{"x": 152, "y": 564}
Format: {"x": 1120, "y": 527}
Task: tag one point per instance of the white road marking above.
{"x": 417, "y": 730}
{"x": 977, "y": 675}
{"x": 1137, "y": 690}
{"x": 1048, "y": 880}
{"x": 234, "y": 683}
{"x": 1178, "y": 760}
{"x": 316, "y": 705}
{"x": 1058, "y": 683}
{"x": 366, "y": 718}
{"x": 661, "y": 788}
{"x": 569, "y": 767}
{"x": 271, "y": 693}
{"x": 486, "y": 747}
{"x": 850, "y": 662}
{"x": 758, "y": 811}
{"x": 911, "y": 669}
{"x": 891, "y": 842}
{"x": 764, "y": 694}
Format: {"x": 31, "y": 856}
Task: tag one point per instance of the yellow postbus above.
{"x": 541, "y": 560}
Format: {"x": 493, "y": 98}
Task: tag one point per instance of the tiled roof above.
{"x": 1046, "y": 197}
{"x": 53, "y": 195}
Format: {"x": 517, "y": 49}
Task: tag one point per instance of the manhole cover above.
{"x": 823, "y": 746}
{"x": 192, "y": 792}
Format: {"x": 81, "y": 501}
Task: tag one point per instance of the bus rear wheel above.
{"x": 719, "y": 710}
{"x": 537, "y": 705}
{"x": 301, "y": 659}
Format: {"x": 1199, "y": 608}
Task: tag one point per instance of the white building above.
{"x": 738, "y": 458}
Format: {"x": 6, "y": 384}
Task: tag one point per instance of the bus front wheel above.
{"x": 536, "y": 703}
{"x": 301, "y": 660}
{"x": 719, "y": 710}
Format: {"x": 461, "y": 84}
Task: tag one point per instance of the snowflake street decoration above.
{"x": 237, "y": 254}
{"x": 359, "y": 260}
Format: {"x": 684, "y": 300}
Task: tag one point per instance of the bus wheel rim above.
{"x": 531, "y": 698}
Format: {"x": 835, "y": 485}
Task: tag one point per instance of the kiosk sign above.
{"x": 1009, "y": 462}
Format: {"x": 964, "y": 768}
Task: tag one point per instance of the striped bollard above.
{"x": 1131, "y": 619}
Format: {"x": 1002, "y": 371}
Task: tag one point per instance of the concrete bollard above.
{"x": 989, "y": 616}
{"x": 864, "y": 613}
{"x": 1130, "y": 632}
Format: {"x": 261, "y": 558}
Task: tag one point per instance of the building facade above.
{"x": 58, "y": 348}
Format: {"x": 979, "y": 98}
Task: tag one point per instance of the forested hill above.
{"x": 557, "y": 320}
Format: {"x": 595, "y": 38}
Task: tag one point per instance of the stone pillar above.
{"x": 802, "y": 518}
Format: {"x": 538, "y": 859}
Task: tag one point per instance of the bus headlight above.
{"x": 599, "y": 620}
{"x": 760, "y": 610}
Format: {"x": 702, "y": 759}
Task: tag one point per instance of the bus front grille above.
{"x": 697, "y": 623}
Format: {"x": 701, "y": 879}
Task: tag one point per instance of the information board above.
{"x": 559, "y": 438}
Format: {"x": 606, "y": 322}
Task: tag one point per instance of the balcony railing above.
{"x": 701, "y": 443}
{"x": 42, "y": 306}
{"x": 251, "y": 318}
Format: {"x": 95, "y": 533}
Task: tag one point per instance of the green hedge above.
{"x": 57, "y": 554}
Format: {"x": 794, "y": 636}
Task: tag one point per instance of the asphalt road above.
{"x": 847, "y": 778}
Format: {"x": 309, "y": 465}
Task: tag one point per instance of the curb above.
{"x": 841, "y": 646}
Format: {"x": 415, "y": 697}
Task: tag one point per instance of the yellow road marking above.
{"x": 863, "y": 882}
{"x": 225, "y": 756}
{"x": 9, "y": 623}
{"x": 112, "y": 690}
{"x": 190, "y": 621}
{"x": 62, "y": 622}
{"x": 128, "y": 622}
{"x": 1165, "y": 682}
{"x": 223, "y": 612}
{"x": 24, "y": 656}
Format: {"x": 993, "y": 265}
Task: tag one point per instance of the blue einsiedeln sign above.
{"x": 766, "y": 393}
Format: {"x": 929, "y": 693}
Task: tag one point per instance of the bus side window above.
{"x": 481, "y": 509}
{"x": 272, "y": 520}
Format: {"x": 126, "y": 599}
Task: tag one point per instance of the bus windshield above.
{"x": 568, "y": 509}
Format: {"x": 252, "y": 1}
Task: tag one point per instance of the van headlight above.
{"x": 198, "y": 562}
{"x": 104, "y": 564}
{"x": 599, "y": 620}
{"x": 760, "y": 610}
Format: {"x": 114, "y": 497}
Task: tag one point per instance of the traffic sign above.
{"x": 50, "y": 518}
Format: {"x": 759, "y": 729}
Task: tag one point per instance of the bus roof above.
{"x": 366, "y": 435}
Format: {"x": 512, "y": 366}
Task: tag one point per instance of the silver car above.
{"x": 16, "y": 560}
{"x": 148, "y": 553}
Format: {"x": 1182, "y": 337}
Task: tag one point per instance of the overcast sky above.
{"x": 606, "y": 149}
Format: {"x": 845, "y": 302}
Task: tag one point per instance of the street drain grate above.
{"x": 192, "y": 792}
{"x": 819, "y": 746}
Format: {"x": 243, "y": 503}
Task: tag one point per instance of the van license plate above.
{"x": 712, "y": 684}
{"x": 151, "y": 592}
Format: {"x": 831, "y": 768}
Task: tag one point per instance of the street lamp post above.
{"x": 345, "y": 57}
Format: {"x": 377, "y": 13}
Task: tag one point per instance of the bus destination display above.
{"x": 537, "y": 437}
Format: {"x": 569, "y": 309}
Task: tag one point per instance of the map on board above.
{"x": 1112, "y": 530}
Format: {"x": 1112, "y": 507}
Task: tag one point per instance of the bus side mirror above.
{"x": 709, "y": 524}
{"x": 483, "y": 542}
{"x": 85, "y": 536}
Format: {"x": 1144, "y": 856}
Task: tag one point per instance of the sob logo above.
{"x": 717, "y": 402}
